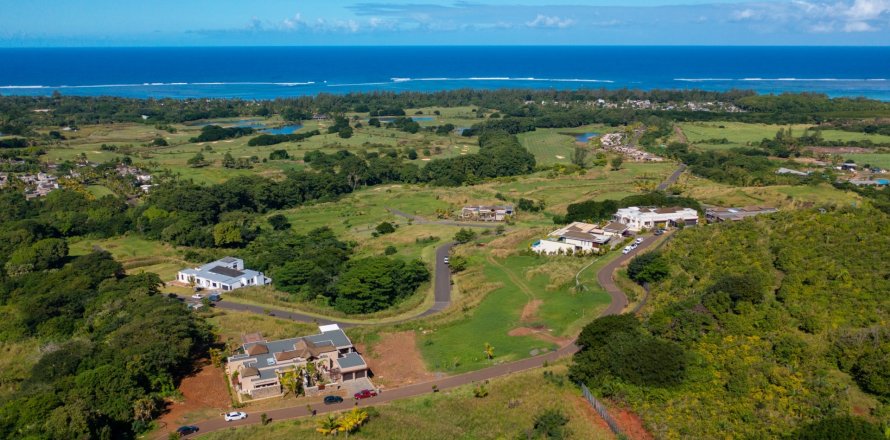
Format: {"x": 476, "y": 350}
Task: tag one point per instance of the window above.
{"x": 214, "y": 284}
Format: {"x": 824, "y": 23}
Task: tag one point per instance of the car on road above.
{"x": 627, "y": 250}
{"x": 198, "y": 296}
{"x": 236, "y": 415}
{"x": 633, "y": 246}
{"x": 445, "y": 260}
{"x": 331, "y": 400}
{"x": 186, "y": 430}
{"x": 638, "y": 241}
{"x": 659, "y": 231}
{"x": 364, "y": 394}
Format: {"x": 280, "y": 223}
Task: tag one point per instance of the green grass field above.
{"x": 555, "y": 145}
{"x": 742, "y": 134}
{"x": 880, "y": 160}
{"x": 507, "y": 412}
{"x": 520, "y": 292}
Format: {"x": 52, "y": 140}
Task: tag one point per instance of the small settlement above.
{"x": 486, "y": 213}
{"x": 638, "y": 219}
{"x": 578, "y": 237}
{"x": 225, "y": 274}
{"x": 262, "y": 368}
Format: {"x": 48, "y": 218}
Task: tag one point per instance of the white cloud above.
{"x": 868, "y": 9}
{"x": 545, "y": 21}
{"x": 858, "y": 26}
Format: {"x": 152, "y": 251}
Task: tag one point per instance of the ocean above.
{"x": 271, "y": 72}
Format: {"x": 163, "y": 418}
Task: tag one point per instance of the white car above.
{"x": 445, "y": 260}
{"x": 627, "y": 250}
{"x": 197, "y": 296}
{"x": 639, "y": 240}
{"x": 237, "y": 415}
{"x": 633, "y": 246}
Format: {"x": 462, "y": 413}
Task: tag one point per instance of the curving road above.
{"x": 442, "y": 299}
{"x": 617, "y": 305}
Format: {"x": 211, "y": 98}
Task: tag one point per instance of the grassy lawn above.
{"x": 135, "y": 253}
{"x": 519, "y": 293}
{"x": 507, "y": 412}
{"x": 780, "y": 196}
{"x": 741, "y": 134}
{"x": 880, "y": 160}
{"x": 229, "y": 325}
{"x": 99, "y": 191}
{"x": 554, "y": 145}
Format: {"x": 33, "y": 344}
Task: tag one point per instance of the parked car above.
{"x": 214, "y": 297}
{"x": 198, "y": 296}
{"x": 186, "y": 430}
{"x": 237, "y": 415}
{"x": 195, "y": 306}
{"x": 445, "y": 260}
{"x": 659, "y": 231}
{"x": 331, "y": 400}
{"x": 638, "y": 241}
{"x": 364, "y": 394}
{"x": 633, "y": 246}
{"x": 627, "y": 249}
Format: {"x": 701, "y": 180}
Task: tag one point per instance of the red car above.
{"x": 364, "y": 394}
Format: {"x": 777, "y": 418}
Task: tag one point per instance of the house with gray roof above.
{"x": 224, "y": 274}
{"x": 261, "y": 366}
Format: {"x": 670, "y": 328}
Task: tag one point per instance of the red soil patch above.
{"x": 590, "y": 414}
{"x": 629, "y": 423}
{"x": 539, "y": 333}
{"x": 530, "y": 310}
{"x": 395, "y": 360}
{"x": 201, "y": 391}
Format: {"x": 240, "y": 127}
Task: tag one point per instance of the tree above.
{"x": 412, "y": 154}
{"x": 279, "y": 222}
{"x": 489, "y": 350}
{"x": 328, "y": 425}
{"x": 197, "y": 161}
{"x": 464, "y": 236}
{"x": 228, "y": 161}
{"x": 345, "y": 132}
{"x": 457, "y": 263}
{"x": 648, "y": 268}
{"x": 279, "y": 155}
{"x": 616, "y": 163}
{"x": 228, "y": 234}
{"x": 352, "y": 420}
{"x": 840, "y": 428}
{"x": 385, "y": 228}
{"x": 579, "y": 157}
{"x": 390, "y": 250}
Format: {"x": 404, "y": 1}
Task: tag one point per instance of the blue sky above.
{"x": 25, "y": 23}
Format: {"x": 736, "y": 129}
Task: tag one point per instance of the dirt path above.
{"x": 680, "y": 135}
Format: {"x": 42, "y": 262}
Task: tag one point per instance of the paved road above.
{"x": 442, "y": 298}
{"x": 672, "y": 179}
{"x": 604, "y": 276}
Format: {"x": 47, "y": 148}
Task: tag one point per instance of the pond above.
{"x": 286, "y": 129}
{"x": 242, "y": 123}
{"x": 584, "y": 137}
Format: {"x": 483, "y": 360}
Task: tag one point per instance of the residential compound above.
{"x": 261, "y": 363}
{"x": 716, "y": 215}
{"x": 578, "y": 237}
{"x": 36, "y": 185}
{"x": 637, "y": 219}
{"x": 224, "y": 274}
{"x": 486, "y": 213}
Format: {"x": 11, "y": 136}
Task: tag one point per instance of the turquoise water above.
{"x": 287, "y": 129}
{"x": 233, "y": 72}
{"x": 585, "y": 137}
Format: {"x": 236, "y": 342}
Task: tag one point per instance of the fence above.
{"x": 601, "y": 409}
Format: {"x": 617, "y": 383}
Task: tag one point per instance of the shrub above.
{"x": 385, "y": 228}
{"x": 390, "y": 250}
{"x": 464, "y": 236}
{"x": 648, "y": 268}
{"x": 840, "y": 428}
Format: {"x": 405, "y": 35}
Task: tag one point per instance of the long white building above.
{"x": 224, "y": 274}
{"x": 577, "y": 237}
{"x": 637, "y": 219}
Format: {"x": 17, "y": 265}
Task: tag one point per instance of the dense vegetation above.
{"x": 782, "y": 320}
{"x": 274, "y": 139}
{"x": 210, "y": 133}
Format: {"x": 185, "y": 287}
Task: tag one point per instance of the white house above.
{"x": 225, "y": 274}
{"x": 638, "y": 219}
{"x": 576, "y": 237}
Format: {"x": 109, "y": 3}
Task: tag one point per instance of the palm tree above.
{"x": 292, "y": 381}
{"x": 489, "y": 350}
{"x": 328, "y": 425}
{"x": 353, "y": 420}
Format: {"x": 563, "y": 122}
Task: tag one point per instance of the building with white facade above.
{"x": 637, "y": 219}
{"x": 224, "y": 274}
{"x": 577, "y": 237}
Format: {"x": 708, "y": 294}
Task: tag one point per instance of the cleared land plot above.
{"x": 508, "y": 411}
{"x": 780, "y": 196}
{"x": 880, "y": 160}
{"x": 554, "y": 145}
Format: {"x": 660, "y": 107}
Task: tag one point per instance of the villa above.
{"x": 716, "y": 215}
{"x": 578, "y": 237}
{"x": 486, "y": 213}
{"x": 257, "y": 370}
{"x": 225, "y": 274}
{"x": 637, "y": 219}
